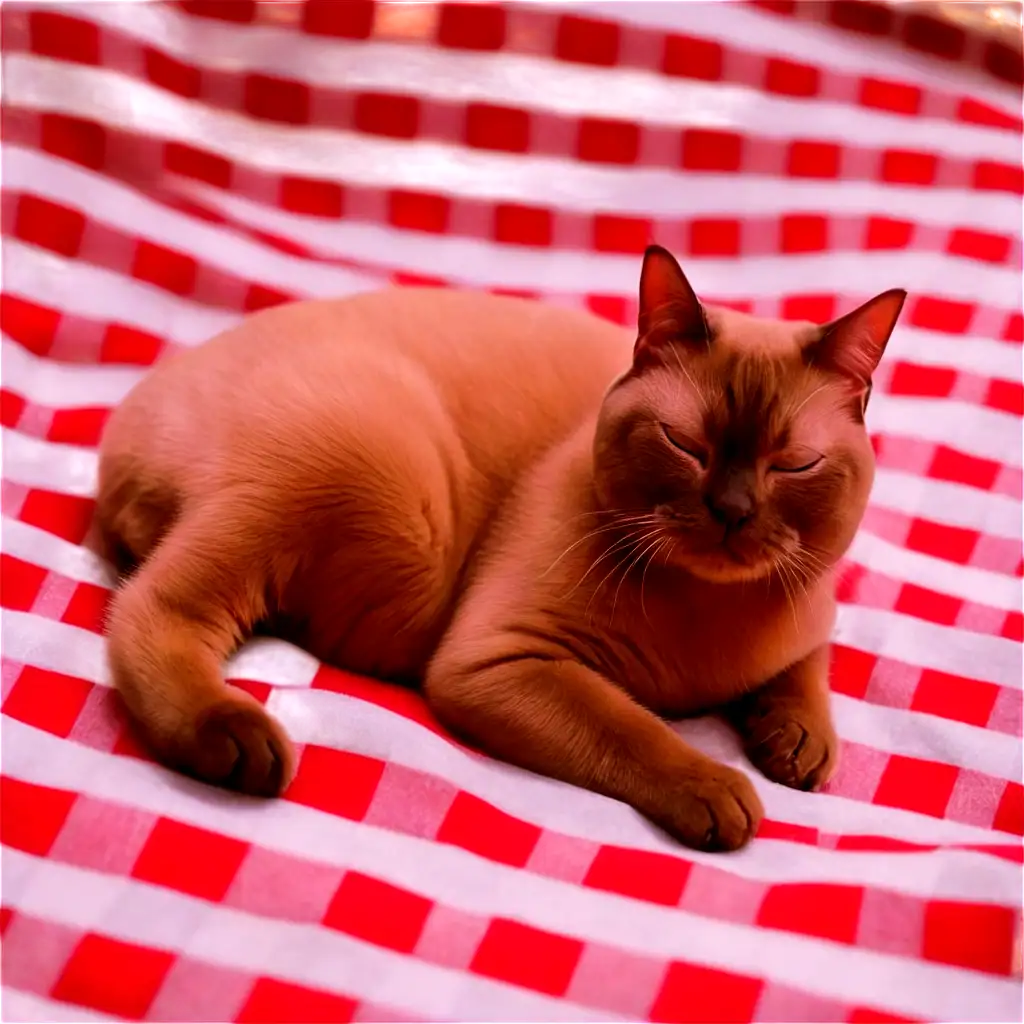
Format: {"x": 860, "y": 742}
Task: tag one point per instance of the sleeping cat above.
{"x": 562, "y": 530}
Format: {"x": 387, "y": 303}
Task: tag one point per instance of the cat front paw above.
{"x": 715, "y": 810}
{"x": 797, "y": 750}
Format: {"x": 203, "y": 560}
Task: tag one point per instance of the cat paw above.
{"x": 794, "y": 750}
{"x": 716, "y": 811}
{"x": 239, "y": 746}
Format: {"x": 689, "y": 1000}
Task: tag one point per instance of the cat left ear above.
{"x": 669, "y": 307}
{"x": 853, "y": 345}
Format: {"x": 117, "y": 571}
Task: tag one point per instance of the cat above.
{"x": 564, "y": 531}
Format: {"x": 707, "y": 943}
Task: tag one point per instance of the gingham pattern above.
{"x": 167, "y": 168}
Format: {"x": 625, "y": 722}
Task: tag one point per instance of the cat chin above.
{"x": 725, "y": 569}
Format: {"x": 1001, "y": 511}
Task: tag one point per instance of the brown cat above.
{"x": 562, "y": 533}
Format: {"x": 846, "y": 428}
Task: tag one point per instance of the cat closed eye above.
{"x": 686, "y": 444}
{"x": 800, "y": 463}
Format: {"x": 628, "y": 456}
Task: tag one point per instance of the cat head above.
{"x": 740, "y": 439}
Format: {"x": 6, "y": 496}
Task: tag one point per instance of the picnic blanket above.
{"x": 168, "y": 168}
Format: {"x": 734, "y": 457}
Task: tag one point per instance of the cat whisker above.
{"x": 643, "y": 579}
{"x": 633, "y": 538}
{"x": 587, "y": 536}
{"x": 629, "y": 549}
{"x": 629, "y": 569}
{"x": 686, "y": 373}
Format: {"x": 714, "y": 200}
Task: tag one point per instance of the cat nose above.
{"x": 733, "y": 508}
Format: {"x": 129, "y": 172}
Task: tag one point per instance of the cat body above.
{"x": 561, "y": 529}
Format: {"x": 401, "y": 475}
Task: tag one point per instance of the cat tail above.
{"x": 170, "y": 628}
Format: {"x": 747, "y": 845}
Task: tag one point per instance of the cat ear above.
{"x": 669, "y": 308}
{"x": 853, "y": 344}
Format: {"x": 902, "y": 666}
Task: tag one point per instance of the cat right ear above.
{"x": 669, "y": 308}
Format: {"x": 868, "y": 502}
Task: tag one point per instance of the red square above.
{"x": 189, "y": 859}
{"x": 48, "y": 225}
{"x": 82, "y": 142}
{"x": 915, "y": 785}
{"x": 851, "y": 670}
{"x": 865, "y": 1014}
{"x": 87, "y": 608}
{"x": 351, "y": 20}
{"x": 123, "y": 344}
{"x": 587, "y": 41}
{"x": 65, "y": 515}
{"x": 950, "y": 542}
{"x": 47, "y": 700}
{"x": 63, "y": 37}
{"x": 694, "y": 995}
{"x": 387, "y": 114}
{"x": 928, "y": 604}
{"x": 602, "y": 140}
{"x": 277, "y": 99}
{"x": 642, "y": 874}
{"x": 977, "y": 936}
{"x": 1013, "y": 627}
{"x": 276, "y": 1002}
{"x": 689, "y": 57}
{"x": 791, "y": 79}
{"x": 942, "y": 315}
{"x": 11, "y": 408}
{"x": 992, "y": 176}
{"x": 258, "y": 297}
{"x": 31, "y": 816}
{"x": 419, "y": 211}
{"x": 804, "y": 233}
{"x": 1014, "y": 330}
{"x": 621, "y": 234}
{"x": 197, "y": 163}
{"x": 874, "y": 19}
{"x": 29, "y": 324}
{"x": 78, "y": 426}
{"x": 377, "y": 912}
{"x": 886, "y": 233}
{"x": 475, "y": 26}
{"x": 309, "y": 196}
{"x": 954, "y": 697}
{"x": 19, "y": 582}
{"x": 975, "y": 112}
{"x": 706, "y": 149}
{"x": 113, "y": 977}
{"x": 979, "y": 245}
{"x": 526, "y": 956}
{"x": 908, "y": 168}
{"x": 492, "y": 127}
{"x": 610, "y": 307}
{"x": 173, "y": 271}
{"x": 1006, "y": 395}
{"x": 822, "y": 910}
{"x": 913, "y": 379}
{"x": 481, "y": 828}
{"x": 949, "y": 464}
{"x": 895, "y": 96}
{"x": 173, "y": 75}
{"x": 241, "y": 12}
{"x": 819, "y": 309}
{"x": 932, "y": 35}
{"x": 336, "y": 781}
{"x": 1010, "y": 812}
{"x": 710, "y": 237}
{"x": 522, "y": 225}
{"x": 813, "y": 159}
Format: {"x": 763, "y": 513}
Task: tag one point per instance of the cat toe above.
{"x": 717, "y": 812}
{"x": 801, "y": 755}
{"x": 239, "y": 746}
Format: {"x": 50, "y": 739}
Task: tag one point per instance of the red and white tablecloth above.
{"x": 167, "y": 168}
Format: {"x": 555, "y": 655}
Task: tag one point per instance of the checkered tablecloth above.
{"x": 167, "y": 168}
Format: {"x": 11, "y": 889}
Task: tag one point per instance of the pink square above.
{"x": 570, "y": 230}
{"x": 54, "y": 596}
{"x": 987, "y": 322}
{"x": 329, "y": 107}
{"x": 877, "y": 591}
{"x": 106, "y": 247}
{"x": 9, "y": 672}
{"x": 35, "y": 953}
{"x": 838, "y": 87}
{"x": 999, "y": 554}
{"x": 442, "y": 121}
{"x": 552, "y": 135}
{"x": 1008, "y": 712}
{"x": 660, "y": 147}
{"x": 1010, "y": 481}
{"x": 847, "y": 233}
{"x": 12, "y": 497}
{"x": 713, "y": 892}
{"x": 980, "y": 618}
{"x": 860, "y": 771}
{"x": 374, "y": 1013}
{"x": 278, "y": 885}
{"x": 765, "y": 155}
{"x": 36, "y": 419}
{"x": 893, "y": 683}
{"x": 451, "y": 937}
{"x": 891, "y": 922}
{"x": 887, "y": 523}
{"x": 77, "y": 340}
{"x": 102, "y": 835}
{"x": 969, "y": 387}
{"x": 366, "y": 204}
{"x": 194, "y": 990}
{"x": 410, "y": 801}
{"x": 471, "y": 218}
{"x": 612, "y": 979}
{"x": 101, "y": 720}
{"x": 759, "y": 236}
{"x": 529, "y": 30}
{"x": 779, "y": 1003}
{"x": 907, "y": 454}
{"x": 557, "y": 855}
{"x": 215, "y": 287}
{"x": 860, "y": 164}
{"x": 975, "y": 798}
